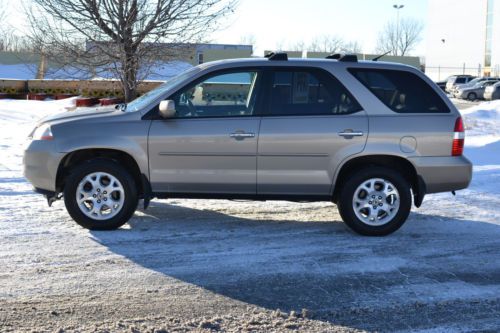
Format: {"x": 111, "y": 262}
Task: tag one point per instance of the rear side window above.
{"x": 461, "y": 80}
{"x": 401, "y": 91}
{"x": 308, "y": 92}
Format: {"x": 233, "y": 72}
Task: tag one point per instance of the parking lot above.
{"x": 194, "y": 265}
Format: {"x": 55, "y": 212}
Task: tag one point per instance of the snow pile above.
{"x": 482, "y": 140}
{"x": 26, "y": 111}
{"x": 487, "y": 111}
{"x": 17, "y": 120}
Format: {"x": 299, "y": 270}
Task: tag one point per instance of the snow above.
{"x": 209, "y": 254}
{"x": 18, "y": 71}
{"x": 17, "y": 120}
{"x": 159, "y": 71}
{"x": 482, "y": 140}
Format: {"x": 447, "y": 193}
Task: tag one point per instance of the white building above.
{"x": 461, "y": 35}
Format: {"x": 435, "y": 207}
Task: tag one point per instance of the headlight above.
{"x": 42, "y": 133}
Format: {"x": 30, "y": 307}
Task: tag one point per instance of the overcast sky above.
{"x": 275, "y": 22}
{"x": 284, "y": 22}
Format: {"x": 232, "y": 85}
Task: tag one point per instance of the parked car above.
{"x": 472, "y": 83}
{"x": 365, "y": 135}
{"x": 442, "y": 84}
{"x": 492, "y": 92}
{"x": 474, "y": 92}
{"x": 457, "y": 79}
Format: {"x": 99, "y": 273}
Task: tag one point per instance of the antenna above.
{"x": 380, "y": 56}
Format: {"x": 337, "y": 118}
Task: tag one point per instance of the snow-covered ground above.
{"x": 195, "y": 264}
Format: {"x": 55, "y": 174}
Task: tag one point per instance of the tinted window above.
{"x": 309, "y": 92}
{"x": 403, "y": 92}
{"x": 220, "y": 95}
{"x": 461, "y": 80}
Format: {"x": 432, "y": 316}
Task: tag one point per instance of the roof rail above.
{"x": 343, "y": 57}
{"x": 335, "y": 56}
{"x": 277, "y": 56}
{"x": 349, "y": 58}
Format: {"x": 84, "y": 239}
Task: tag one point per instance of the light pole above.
{"x": 397, "y": 7}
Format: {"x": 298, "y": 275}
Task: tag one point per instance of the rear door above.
{"x": 211, "y": 144}
{"x": 311, "y": 123}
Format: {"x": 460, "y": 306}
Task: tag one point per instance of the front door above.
{"x": 311, "y": 123}
{"x": 211, "y": 144}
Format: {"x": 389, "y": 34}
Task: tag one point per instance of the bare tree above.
{"x": 280, "y": 44}
{"x": 352, "y": 47}
{"x": 400, "y": 38}
{"x": 126, "y": 37}
{"x": 3, "y": 12}
{"x": 248, "y": 40}
{"x": 298, "y": 46}
{"x": 3, "y": 28}
{"x": 326, "y": 43}
{"x": 333, "y": 44}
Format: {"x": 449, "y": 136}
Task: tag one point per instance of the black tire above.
{"x": 108, "y": 166}
{"x": 347, "y": 192}
{"x": 472, "y": 96}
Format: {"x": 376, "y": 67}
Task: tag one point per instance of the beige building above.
{"x": 461, "y": 38}
{"x": 201, "y": 53}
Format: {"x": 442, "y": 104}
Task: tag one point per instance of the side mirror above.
{"x": 167, "y": 109}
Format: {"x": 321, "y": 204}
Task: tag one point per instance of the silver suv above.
{"x": 365, "y": 135}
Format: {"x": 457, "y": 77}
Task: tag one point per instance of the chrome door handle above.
{"x": 351, "y": 133}
{"x": 241, "y": 135}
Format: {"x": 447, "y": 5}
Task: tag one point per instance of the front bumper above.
{"x": 40, "y": 163}
{"x": 443, "y": 174}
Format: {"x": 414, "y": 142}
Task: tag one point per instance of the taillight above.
{"x": 457, "y": 148}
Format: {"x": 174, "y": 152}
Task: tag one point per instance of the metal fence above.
{"x": 439, "y": 73}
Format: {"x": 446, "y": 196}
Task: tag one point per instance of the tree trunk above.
{"x": 42, "y": 67}
{"x": 129, "y": 75}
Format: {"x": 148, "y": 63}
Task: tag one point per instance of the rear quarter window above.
{"x": 401, "y": 91}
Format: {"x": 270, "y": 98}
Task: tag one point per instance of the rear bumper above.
{"x": 40, "y": 164}
{"x": 443, "y": 174}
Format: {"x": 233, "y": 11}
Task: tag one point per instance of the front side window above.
{"x": 146, "y": 99}
{"x": 307, "y": 92}
{"x": 401, "y": 91}
{"x": 221, "y": 95}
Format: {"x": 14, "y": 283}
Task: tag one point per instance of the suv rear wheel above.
{"x": 375, "y": 201}
{"x": 100, "y": 195}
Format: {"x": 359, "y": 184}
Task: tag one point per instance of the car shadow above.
{"x": 343, "y": 278}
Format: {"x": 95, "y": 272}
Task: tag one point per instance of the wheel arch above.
{"x": 402, "y": 165}
{"x": 83, "y": 155}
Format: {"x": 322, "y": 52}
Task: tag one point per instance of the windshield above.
{"x": 150, "y": 96}
{"x": 473, "y": 82}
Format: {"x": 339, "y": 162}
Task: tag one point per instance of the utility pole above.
{"x": 397, "y": 7}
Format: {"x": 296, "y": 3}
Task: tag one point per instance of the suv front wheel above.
{"x": 100, "y": 195}
{"x": 375, "y": 201}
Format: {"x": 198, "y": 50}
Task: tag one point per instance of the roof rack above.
{"x": 334, "y": 56}
{"x": 343, "y": 57}
{"x": 283, "y": 56}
